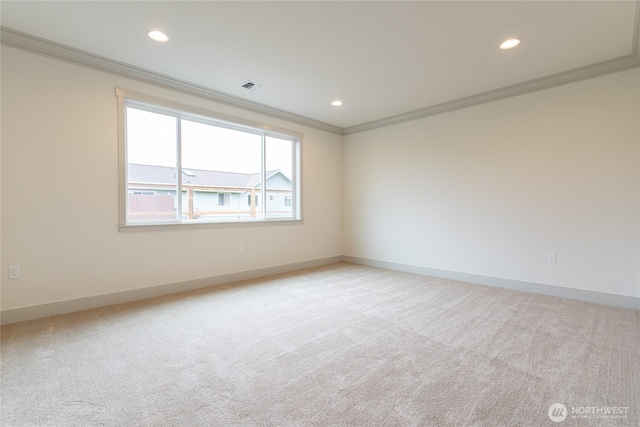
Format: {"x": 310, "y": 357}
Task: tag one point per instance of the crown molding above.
{"x": 595, "y": 70}
{"x": 29, "y": 43}
{"x": 606, "y": 67}
{"x": 37, "y": 45}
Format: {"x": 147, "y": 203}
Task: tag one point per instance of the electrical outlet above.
{"x": 14, "y": 272}
{"x": 551, "y": 257}
{"x": 241, "y": 249}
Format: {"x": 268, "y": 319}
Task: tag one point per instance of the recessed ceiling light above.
{"x": 158, "y": 36}
{"x": 509, "y": 44}
{"x": 336, "y": 103}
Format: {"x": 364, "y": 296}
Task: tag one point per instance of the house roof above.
{"x": 166, "y": 175}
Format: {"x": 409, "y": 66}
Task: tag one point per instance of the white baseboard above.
{"x": 537, "y": 288}
{"x": 62, "y": 307}
{"x": 52, "y": 309}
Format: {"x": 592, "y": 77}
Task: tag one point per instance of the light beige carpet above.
{"x": 341, "y": 345}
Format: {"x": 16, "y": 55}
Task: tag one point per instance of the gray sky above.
{"x": 151, "y": 139}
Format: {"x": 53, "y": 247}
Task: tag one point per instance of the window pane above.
{"x": 151, "y": 166}
{"x": 223, "y": 164}
{"x": 279, "y": 163}
{"x": 183, "y": 167}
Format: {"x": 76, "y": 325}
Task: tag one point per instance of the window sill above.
{"x": 159, "y": 226}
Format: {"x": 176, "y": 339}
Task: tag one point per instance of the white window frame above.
{"x": 181, "y": 111}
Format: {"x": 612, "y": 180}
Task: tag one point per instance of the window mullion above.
{"x": 295, "y": 158}
{"x": 179, "y": 168}
{"x": 263, "y": 197}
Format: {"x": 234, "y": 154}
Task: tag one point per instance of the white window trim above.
{"x": 206, "y": 116}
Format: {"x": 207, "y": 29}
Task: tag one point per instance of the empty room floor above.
{"x": 340, "y": 345}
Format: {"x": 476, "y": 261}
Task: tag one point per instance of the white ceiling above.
{"x": 382, "y": 59}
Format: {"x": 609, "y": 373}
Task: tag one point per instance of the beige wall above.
{"x": 490, "y": 189}
{"x": 487, "y": 190}
{"x": 60, "y": 194}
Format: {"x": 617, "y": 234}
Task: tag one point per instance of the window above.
{"x": 224, "y": 199}
{"x": 180, "y": 166}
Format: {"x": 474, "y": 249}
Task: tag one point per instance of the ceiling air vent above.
{"x": 252, "y": 86}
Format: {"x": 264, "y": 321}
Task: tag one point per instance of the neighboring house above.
{"x": 205, "y": 194}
